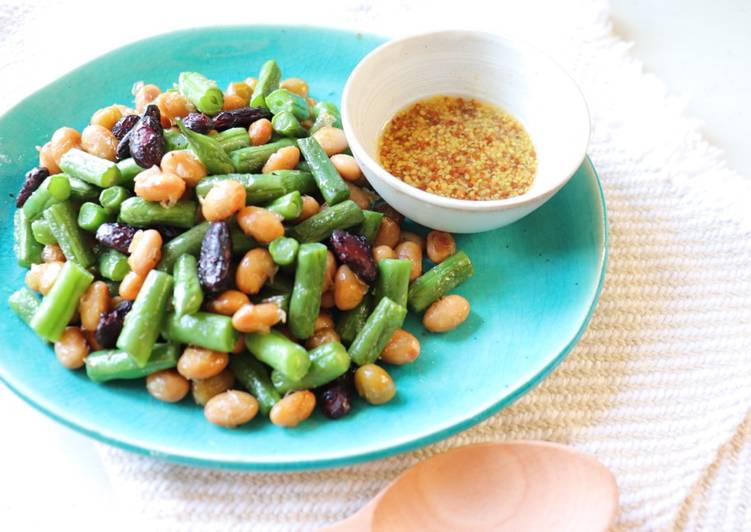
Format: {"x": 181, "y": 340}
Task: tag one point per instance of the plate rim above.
{"x": 197, "y": 459}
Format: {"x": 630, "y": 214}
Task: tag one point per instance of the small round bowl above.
{"x": 514, "y": 76}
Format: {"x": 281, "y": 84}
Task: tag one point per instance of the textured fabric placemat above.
{"x": 659, "y": 387}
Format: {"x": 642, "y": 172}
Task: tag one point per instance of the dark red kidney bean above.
{"x": 215, "y": 260}
{"x": 335, "y": 397}
{"x": 389, "y": 212}
{"x": 116, "y": 236}
{"x": 31, "y": 182}
{"x": 355, "y": 252}
{"x": 242, "y": 117}
{"x": 146, "y": 139}
{"x": 111, "y": 323}
{"x": 124, "y": 125}
{"x": 199, "y": 122}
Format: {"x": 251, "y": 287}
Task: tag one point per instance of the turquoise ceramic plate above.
{"x": 534, "y": 290}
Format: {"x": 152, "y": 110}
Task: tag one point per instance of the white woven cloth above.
{"x": 659, "y": 387}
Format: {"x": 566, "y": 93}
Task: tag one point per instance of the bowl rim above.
{"x": 526, "y": 199}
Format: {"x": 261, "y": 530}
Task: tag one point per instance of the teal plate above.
{"x": 533, "y": 293}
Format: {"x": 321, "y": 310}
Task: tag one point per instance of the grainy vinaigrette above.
{"x": 460, "y": 148}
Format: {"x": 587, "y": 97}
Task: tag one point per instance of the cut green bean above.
{"x": 320, "y": 226}
{"x": 268, "y": 82}
{"x": 113, "y": 265}
{"x": 326, "y": 107}
{"x": 208, "y": 150}
{"x": 282, "y": 100}
{"x": 330, "y": 183}
{"x": 81, "y": 190}
{"x": 283, "y": 250}
{"x": 204, "y": 329}
{"x": 92, "y": 169}
{"x": 253, "y": 158}
{"x": 112, "y": 198}
{"x": 188, "y": 242}
{"x": 370, "y": 224}
{"x": 437, "y": 281}
{"x": 393, "y": 280}
{"x": 174, "y": 140}
{"x": 327, "y": 362}
{"x": 280, "y": 300}
{"x": 24, "y": 303}
{"x": 138, "y": 212}
{"x": 42, "y": 233}
{"x": 141, "y": 327}
{"x": 325, "y": 119}
{"x": 129, "y": 169}
{"x": 27, "y": 248}
{"x": 62, "y": 221}
{"x": 91, "y": 216}
{"x": 288, "y": 206}
{"x": 201, "y": 92}
{"x": 241, "y": 243}
{"x": 112, "y": 364}
{"x": 306, "y": 293}
{"x": 263, "y": 188}
{"x": 380, "y": 326}
{"x": 59, "y": 305}
{"x": 254, "y": 376}
{"x": 279, "y": 352}
{"x": 351, "y": 322}
{"x": 187, "y": 295}
{"x": 233, "y": 139}
{"x": 54, "y": 189}
{"x": 287, "y": 125}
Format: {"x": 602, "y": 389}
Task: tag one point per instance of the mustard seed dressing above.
{"x": 459, "y": 148}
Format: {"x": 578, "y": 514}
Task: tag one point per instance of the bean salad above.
{"x": 225, "y": 244}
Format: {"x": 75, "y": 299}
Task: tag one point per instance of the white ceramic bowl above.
{"x": 514, "y": 76}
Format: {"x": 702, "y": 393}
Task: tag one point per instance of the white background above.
{"x": 50, "y": 475}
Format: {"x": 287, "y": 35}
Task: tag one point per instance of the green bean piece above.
{"x": 241, "y": 243}
{"x": 282, "y": 100}
{"x": 129, "y": 169}
{"x": 24, "y": 303}
{"x": 141, "y": 327}
{"x": 288, "y": 206}
{"x": 280, "y": 300}
{"x": 437, "y": 281}
{"x": 284, "y": 250}
{"x": 254, "y": 376}
{"x": 268, "y": 82}
{"x": 325, "y": 119}
{"x": 111, "y": 198}
{"x": 279, "y": 352}
{"x": 62, "y": 221}
{"x": 138, "y": 212}
{"x": 204, "y": 329}
{"x": 81, "y": 190}
{"x": 380, "y": 326}
{"x": 370, "y": 224}
{"x": 187, "y": 295}
{"x": 27, "y": 248}
{"x": 327, "y": 362}
{"x": 320, "y": 226}
{"x": 233, "y": 139}
{"x": 306, "y": 293}
{"x": 91, "y": 216}
{"x": 41, "y": 231}
{"x": 174, "y": 140}
{"x": 113, "y": 265}
{"x": 329, "y": 182}
{"x": 303, "y": 167}
{"x": 201, "y": 92}
{"x": 113, "y": 287}
{"x": 253, "y": 158}
{"x": 112, "y": 364}
{"x": 208, "y": 150}
{"x": 188, "y": 242}
{"x": 90, "y": 168}
{"x": 327, "y": 107}
{"x": 351, "y": 322}
{"x": 60, "y": 303}
{"x": 263, "y": 188}
{"x": 393, "y": 280}
{"x": 287, "y": 125}
{"x": 54, "y": 189}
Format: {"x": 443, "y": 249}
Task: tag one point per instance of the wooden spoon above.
{"x": 512, "y": 486}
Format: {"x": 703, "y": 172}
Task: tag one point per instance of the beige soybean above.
{"x": 94, "y": 302}
{"x": 446, "y": 313}
{"x": 231, "y": 408}
{"x": 205, "y": 389}
{"x": 388, "y": 233}
{"x": 185, "y": 165}
{"x": 145, "y": 251}
{"x": 260, "y": 132}
{"x": 155, "y": 185}
{"x": 402, "y": 348}
{"x": 255, "y": 268}
{"x": 322, "y": 336}
{"x": 440, "y": 246}
{"x": 201, "y": 363}
{"x": 261, "y": 224}
{"x": 167, "y": 385}
{"x": 224, "y": 199}
{"x": 257, "y": 318}
{"x": 349, "y": 290}
{"x": 131, "y": 285}
{"x": 99, "y": 141}
{"x": 383, "y": 252}
{"x": 295, "y": 85}
{"x": 52, "y": 253}
{"x": 412, "y": 252}
{"x": 374, "y": 384}
{"x": 347, "y": 166}
{"x": 285, "y": 158}
{"x": 310, "y": 207}
{"x": 71, "y": 348}
{"x": 331, "y": 139}
{"x": 228, "y": 302}
{"x": 106, "y": 117}
{"x": 293, "y": 409}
